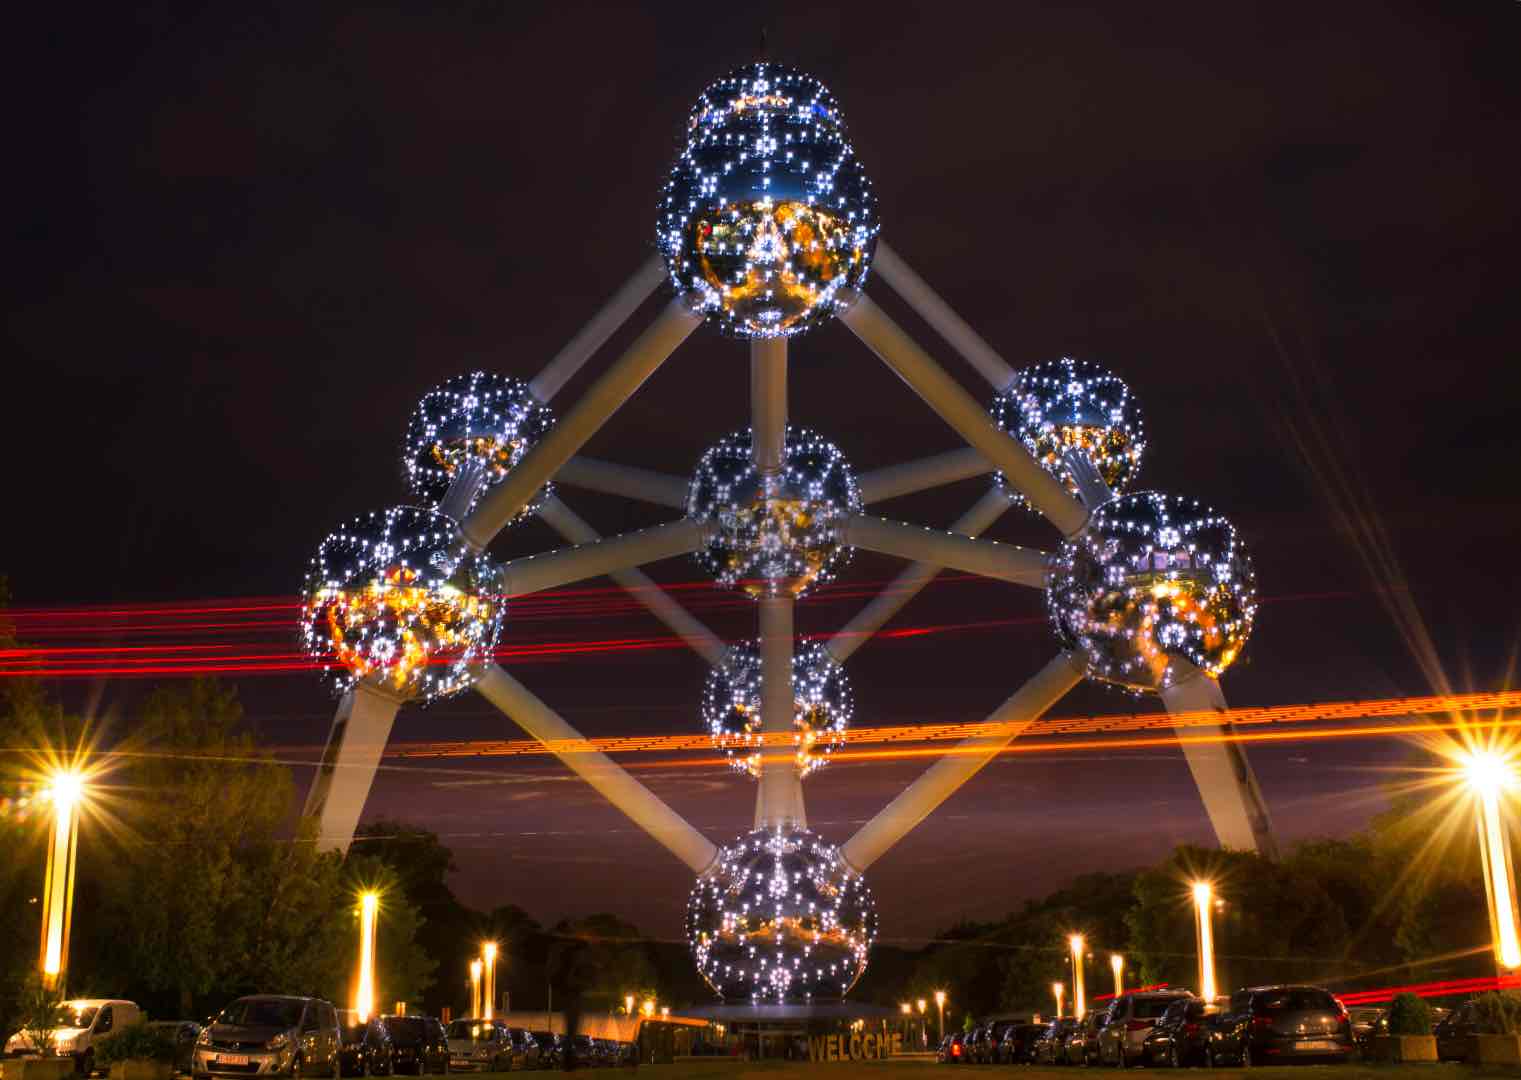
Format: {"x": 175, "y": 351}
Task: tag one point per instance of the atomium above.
{"x": 1068, "y": 404}
{"x": 483, "y": 417}
{"x": 774, "y": 534}
{"x": 822, "y": 706}
{"x": 1153, "y": 579}
{"x": 781, "y": 917}
{"x": 767, "y": 214}
{"x": 398, "y": 598}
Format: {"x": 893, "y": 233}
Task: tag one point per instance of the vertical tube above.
{"x": 364, "y": 993}
{"x": 768, "y": 402}
{"x": 1204, "y": 904}
{"x": 779, "y": 800}
{"x": 489, "y": 952}
{"x": 1079, "y": 993}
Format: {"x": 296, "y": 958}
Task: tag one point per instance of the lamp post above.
{"x": 364, "y": 989}
{"x": 1058, "y": 991}
{"x": 475, "y": 988}
{"x": 1079, "y": 994}
{"x": 923, "y": 1024}
{"x": 488, "y": 953}
{"x": 1488, "y": 775}
{"x": 1204, "y": 903}
{"x": 628, "y": 1004}
{"x": 940, "y": 1005}
{"x": 649, "y": 1007}
{"x": 66, "y": 791}
{"x": 1117, "y": 963}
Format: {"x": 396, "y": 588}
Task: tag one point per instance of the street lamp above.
{"x": 1058, "y": 991}
{"x": 1204, "y": 902}
{"x": 1488, "y": 775}
{"x": 649, "y": 1007}
{"x": 66, "y": 790}
{"x": 940, "y": 1004}
{"x": 1117, "y": 962}
{"x": 1079, "y": 996}
{"x": 364, "y": 989}
{"x": 475, "y": 988}
{"x": 488, "y": 952}
{"x": 628, "y": 1004}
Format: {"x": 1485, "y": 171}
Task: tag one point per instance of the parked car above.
{"x": 183, "y": 1034}
{"x": 979, "y": 1044}
{"x": 1274, "y": 1023}
{"x": 78, "y": 1027}
{"x": 1181, "y": 1034}
{"x": 418, "y": 1044}
{"x": 482, "y": 1046}
{"x": 526, "y": 1045}
{"x": 1367, "y": 1023}
{"x": 1122, "y": 1039}
{"x": 1018, "y": 1044}
{"x": 364, "y": 1047}
{"x": 551, "y": 1049}
{"x": 943, "y": 1051}
{"x": 1082, "y": 1047}
{"x": 1453, "y": 1030}
{"x": 270, "y": 1033}
{"x": 1049, "y": 1048}
{"x": 581, "y": 1049}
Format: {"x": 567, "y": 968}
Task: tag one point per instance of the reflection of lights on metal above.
{"x": 1204, "y": 896}
{"x": 1488, "y": 775}
{"x": 1079, "y": 996}
{"x": 66, "y": 791}
{"x": 1058, "y": 991}
{"x": 488, "y": 953}
{"x": 364, "y": 990}
{"x": 475, "y": 988}
{"x": 1117, "y": 964}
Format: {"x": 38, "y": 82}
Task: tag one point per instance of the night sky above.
{"x": 241, "y": 246}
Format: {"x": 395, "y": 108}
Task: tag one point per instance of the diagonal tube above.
{"x": 609, "y": 779}
{"x": 989, "y": 558}
{"x": 629, "y": 481}
{"x": 342, "y": 782}
{"x": 912, "y": 476}
{"x": 534, "y": 573}
{"x": 940, "y": 781}
{"x": 681, "y": 622}
{"x": 911, "y": 580}
{"x": 935, "y": 311}
{"x": 962, "y": 412}
{"x": 591, "y": 337}
{"x": 503, "y": 502}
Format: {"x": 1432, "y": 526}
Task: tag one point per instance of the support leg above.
{"x": 534, "y": 573}
{"x": 343, "y": 780}
{"x": 989, "y": 558}
{"x": 779, "y": 800}
{"x": 579, "y": 349}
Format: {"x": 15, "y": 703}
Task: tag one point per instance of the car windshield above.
{"x": 72, "y": 1016}
{"x": 262, "y": 1012}
{"x": 1151, "y": 1008}
{"x": 406, "y": 1030}
{"x": 476, "y": 1030}
{"x": 1297, "y": 1001}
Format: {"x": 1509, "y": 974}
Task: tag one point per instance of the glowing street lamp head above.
{"x": 1487, "y": 772}
{"x": 921, "y": 1004}
{"x": 905, "y": 1009}
{"x": 488, "y": 950}
{"x": 1203, "y": 891}
{"x": 1117, "y": 962}
{"x": 649, "y": 1006}
{"x": 940, "y": 998}
{"x": 628, "y": 1004}
{"x": 1075, "y": 941}
{"x": 475, "y": 969}
{"x": 66, "y": 788}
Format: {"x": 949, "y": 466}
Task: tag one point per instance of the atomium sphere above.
{"x": 1152, "y": 580}
{"x": 781, "y": 918}
{"x": 778, "y": 534}
{"x": 1065, "y": 404}
{"x": 492, "y": 419}
{"x": 767, "y": 214}
{"x": 822, "y": 706}
{"x": 400, "y": 599}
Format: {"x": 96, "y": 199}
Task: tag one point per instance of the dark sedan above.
{"x": 1018, "y": 1045}
{"x": 551, "y": 1049}
{"x": 364, "y": 1047}
{"x": 418, "y": 1044}
{"x": 1181, "y": 1035}
{"x": 1049, "y": 1047}
{"x": 1453, "y": 1030}
{"x": 183, "y": 1034}
{"x": 1267, "y": 1024}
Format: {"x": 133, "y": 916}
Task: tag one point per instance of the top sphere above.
{"x": 1069, "y": 404}
{"x": 767, "y": 213}
{"x": 481, "y": 417}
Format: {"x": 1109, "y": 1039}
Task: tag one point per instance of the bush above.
{"x": 1498, "y": 1012}
{"x": 1409, "y": 1015}
{"x": 39, "y": 1014}
{"x": 135, "y": 1042}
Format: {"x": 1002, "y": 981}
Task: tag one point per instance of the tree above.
{"x": 600, "y": 958}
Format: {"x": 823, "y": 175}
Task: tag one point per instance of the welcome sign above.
{"x": 854, "y": 1047}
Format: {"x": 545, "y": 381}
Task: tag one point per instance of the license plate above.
{"x": 1319, "y": 1044}
{"x": 232, "y": 1059}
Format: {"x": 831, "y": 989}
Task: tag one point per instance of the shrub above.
{"x": 135, "y": 1042}
{"x": 39, "y": 1016}
{"x": 1409, "y": 1015}
{"x": 1498, "y": 1012}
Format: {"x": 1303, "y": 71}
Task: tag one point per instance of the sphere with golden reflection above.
{"x": 1069, "y": 404}
{"x": 767, "y": 217}
{"x": 1153, "y": 579}
{"x": 399, "y": 599}
{"x": 781, "y": 918}
{"x": 774, "y": 534}
{"x": 480, "y": 417}
{"x": 822, "y": 705}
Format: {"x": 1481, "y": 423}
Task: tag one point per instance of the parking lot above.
{"x": 919, "y": 1069}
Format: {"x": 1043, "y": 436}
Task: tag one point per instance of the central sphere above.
{"x": 1069, "y": 404}
{"x": 822, "y": 706}
{"x": 774, "y": 534}
{"x": 400, "y": 599}
{"x": 1152, "y": 579}
{"x": 480, "y": 417}
{"x": 767, "y": 214}
{"x": 781, "y": 918}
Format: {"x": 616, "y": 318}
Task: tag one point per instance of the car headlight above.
{"x": 278, "y": 1041}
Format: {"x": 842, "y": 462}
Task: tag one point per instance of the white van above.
{"x": 80, "y": 1025}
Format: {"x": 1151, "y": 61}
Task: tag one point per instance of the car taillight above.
{"x": 1262, "y": 1021}
{"x": 1190, "y": 1029}
{"x": 955, "y": 1049}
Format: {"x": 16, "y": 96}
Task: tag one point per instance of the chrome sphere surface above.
{"x": 398, "y": 598}
{"x": 781, "y": 918}
{"x": 1152, "y": 580}
{"x": 767, "y": 214}
{"x": 1068, "y": 404}
{"x": 822, "y": 706}
{"x": 481, "y": 417}
{"x": 774, "y": 534}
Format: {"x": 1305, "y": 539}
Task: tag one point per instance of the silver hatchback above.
{"x": 269, "y": 1035}
{"x": 1131, "y": 1017}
